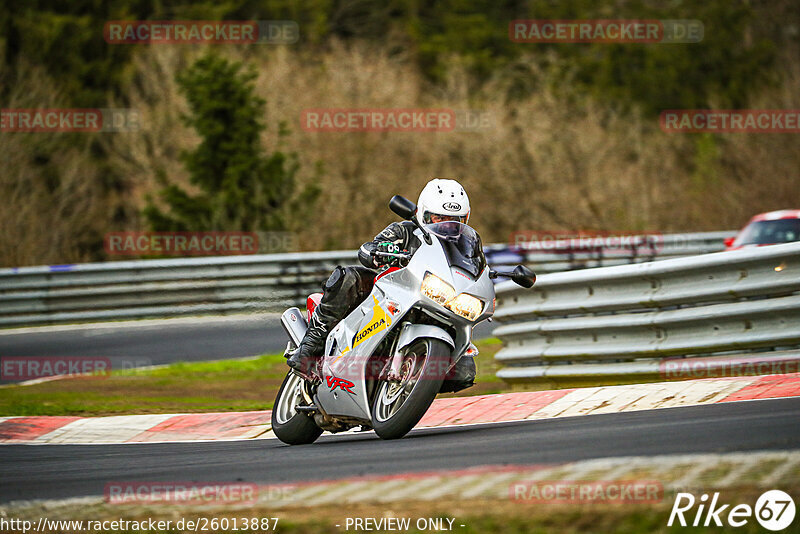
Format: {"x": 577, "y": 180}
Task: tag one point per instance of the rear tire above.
{"x": 392, "y": 422}
{"x": 289, "y": 425}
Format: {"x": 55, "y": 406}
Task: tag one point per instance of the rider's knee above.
{"x": 335, "y": 280}
{"x": 345, "y": 288}
{"x": 359, "y": 280}
{"x": 461, "y": 376}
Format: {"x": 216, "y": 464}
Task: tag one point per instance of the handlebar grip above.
{"x": 390, "y": 255}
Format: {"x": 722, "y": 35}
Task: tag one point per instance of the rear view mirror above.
{"x": 403, "y": 207}
{"x": 522, "y": 276}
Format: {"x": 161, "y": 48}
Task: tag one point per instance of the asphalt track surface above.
{"x": 129, "y": 345}
{"x": 62, "y": 471}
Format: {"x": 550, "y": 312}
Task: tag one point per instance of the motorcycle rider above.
{"x": 440, "y": 200}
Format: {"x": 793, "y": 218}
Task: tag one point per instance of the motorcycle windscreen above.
{"x": 462, "y": 245}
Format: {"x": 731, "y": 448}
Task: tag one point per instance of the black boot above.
{"x": 342, "y": 292}
{"x": 304, "y": 358}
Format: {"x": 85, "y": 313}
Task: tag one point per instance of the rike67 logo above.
{"x": 774, "y": 510}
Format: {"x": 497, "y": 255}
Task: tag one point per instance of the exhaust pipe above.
{"x": 295, "y": 325}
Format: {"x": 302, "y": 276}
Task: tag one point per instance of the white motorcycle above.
{"x": 385, "y": 362}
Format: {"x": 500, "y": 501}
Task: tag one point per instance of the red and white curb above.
{"x": 669, "y": 472}
{"x": 602, "y": 480}
{"x": 444, "y": 412}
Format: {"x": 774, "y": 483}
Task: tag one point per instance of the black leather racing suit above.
{"x": 348, "y": 286}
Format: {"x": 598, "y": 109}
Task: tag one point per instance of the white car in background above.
{"x": 771, "y": 228}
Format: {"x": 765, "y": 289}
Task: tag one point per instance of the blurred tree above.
{"x": 239, "y": 188}
{"x": 734, "y": 58}
{"x": 723, "y": 70}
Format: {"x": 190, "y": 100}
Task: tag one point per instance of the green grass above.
{"x": 219, "y": 386}
{"x": 190, "y": 387}
{"x": 227, "y": 368}
{"x": 228, "y": 385}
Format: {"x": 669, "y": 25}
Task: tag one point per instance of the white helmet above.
{"x": 445, "y": 198}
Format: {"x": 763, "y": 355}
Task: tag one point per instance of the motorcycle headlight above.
{"x": 466, "y": 306}
{"x": 437, "y": 289}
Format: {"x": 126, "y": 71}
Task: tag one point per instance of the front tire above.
{"x": 399, "y": 406}
{"x": 289, "y": 425}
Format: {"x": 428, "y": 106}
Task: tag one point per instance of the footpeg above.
{"x": 310, "y": 378}
{"x": 307, "y": 409}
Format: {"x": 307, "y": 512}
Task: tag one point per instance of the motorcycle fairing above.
{"x": 349, "y": 348}
{"x": 352, "y": 342}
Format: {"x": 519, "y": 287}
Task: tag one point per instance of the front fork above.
{"x": 394, "y": 367}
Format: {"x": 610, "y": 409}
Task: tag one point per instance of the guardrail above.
{"x": 233, "y": 284}
{"x": 582, "y": 253}
{"x": 162, "y": 288}
{"x": 702, "y": 315}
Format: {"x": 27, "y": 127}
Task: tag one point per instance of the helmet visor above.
{"x": 433, "y": 218}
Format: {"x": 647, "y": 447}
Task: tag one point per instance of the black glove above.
{"x": 387, "y": 246}
{"x": 392, "y": 248}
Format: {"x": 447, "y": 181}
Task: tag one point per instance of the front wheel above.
{"x": 400, "y": 404}
{"x": 289, "y": 425}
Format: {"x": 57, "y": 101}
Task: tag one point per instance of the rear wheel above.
{"x": 289, "y": 425}
{"x": 400, "y": 404}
